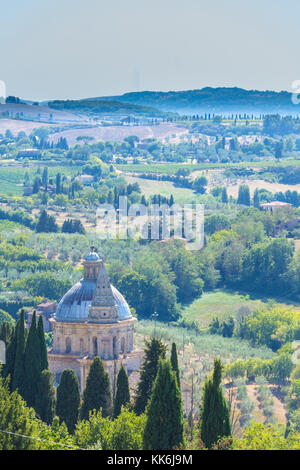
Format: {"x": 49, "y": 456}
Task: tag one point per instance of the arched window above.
{"x": 68, "y": 345}
{"x": 81, "y": 346}
{"x": 122, "y": 345}
{"x": 115, "y": 352}
{"x": 95, "y": 346}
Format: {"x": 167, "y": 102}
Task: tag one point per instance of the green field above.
{"x": 165, "y": 188}
{"x": 12, "y": 178}
{"x": 172, "y": 168}
{"x": 10, "y": 188}
{"x": 9, "y": 226}
{"x": 222, "y": 304}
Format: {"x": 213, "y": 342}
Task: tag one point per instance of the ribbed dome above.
{"x": 75, "y": 304}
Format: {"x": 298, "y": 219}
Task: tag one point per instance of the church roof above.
{"x": 86, "y": 299}
{"x": 75, "y": 304}
{"x": 92, "y": 256}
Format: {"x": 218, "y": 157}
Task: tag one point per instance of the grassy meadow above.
{"x": 165, "y": 188}
{"x": 223, "y": 304}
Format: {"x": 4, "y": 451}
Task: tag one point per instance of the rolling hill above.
{"x": 212, "y": 100}
{"x": 94, "y": 107}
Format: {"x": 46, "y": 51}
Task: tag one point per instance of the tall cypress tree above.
{"x": 256, "y": 198}
{"x": 244, "y": 195}
{"x": 68, "y": 399}
{"x": 174, "y": 362}
{"x": 224, "y": 196}
{"x": 32, "y": 364}
{"x": 19, "y": 372}
{"x": 8, "y": 369}
{"x": 215, "y": 419}
{"x": 42, "y": 343}
{"x": 122, "y": 395}
{"x": 153, "y": 351}
{"x": 164, "y": 428}
{"x": 41, "y": 225}
{"x": 45, "y": 399}
{"x": 6, "y": 332}
{"x": 97, "y": 393}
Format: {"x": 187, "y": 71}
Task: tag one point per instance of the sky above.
{"x": 71, "y": 49}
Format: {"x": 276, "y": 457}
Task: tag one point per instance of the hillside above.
{"x": 214, "y": 100}
{"x": 97, "y": 106}
{"x": 24, "y": 111}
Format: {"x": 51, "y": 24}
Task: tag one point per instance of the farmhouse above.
{"x": 51, "y": 188}
{"x": 85, "y": 179}
{"x": 29, "y": 153}
{"x": 274, "y": 205}
{"x": 46, "y": 310}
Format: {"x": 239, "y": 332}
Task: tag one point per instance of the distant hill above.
{"x": 40, "y": 113}
{"x": 98, "y": 106}
{"x": 212, "y": 100}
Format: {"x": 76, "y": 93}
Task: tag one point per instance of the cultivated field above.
{"x": 232, "y": 189}
{"x": 43, "y": 113}
{"x": 196, "y": 352}
{"x": 172, "y": 168}
{"x": 257, "y": 414}
{"x": 119, "y": 133}
{"x": 12, "y": 178}
{"x": 16, "y": 126}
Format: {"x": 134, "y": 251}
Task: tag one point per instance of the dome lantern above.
{"x": 91, "y": 264}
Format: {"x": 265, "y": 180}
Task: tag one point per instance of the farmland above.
{"x": 223, "y": 304}
{"x": 119, "y": 133}
{"x": 165, "y": 188}
{"x": 172, "y": 168}
{"x": 12, "y": 177}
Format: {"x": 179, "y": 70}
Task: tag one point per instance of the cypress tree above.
{"x": 164, "y": 428}
{"x": 45, "y": 399}
{"x": 123, "y": 395}
{"x": 32, "y": 364}
{"x": 18, "y": 373}
{"x": 97, "y": 392}
{"x": 8, "y": 369}
{"x": 6, "y": 332}
{"x": 42, "y": 222}
{"x": 256, "y": 198}
{"x": 58, "y": 183}
{"x": 174, "y": 363}
{"x": 215, "y": 419}
{"x": 153, "y": 351}
{"x": 42, "y": 343}
{"x": 46, "y": 223}
{"x": 224, "y": 196}
{"x": 45, "y": 177}
{"x": 68, "y": 399}
{"x": 244, "y": 195}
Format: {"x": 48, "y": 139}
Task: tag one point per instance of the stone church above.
{"x": 93, "y": 319}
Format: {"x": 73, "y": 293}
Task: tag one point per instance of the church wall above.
{"x": 59, "y": 363}
{"x": 105, "y": 340}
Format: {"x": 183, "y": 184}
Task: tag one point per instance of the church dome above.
{"x": 92, "y": 256}
{"x": 75, "y": 304}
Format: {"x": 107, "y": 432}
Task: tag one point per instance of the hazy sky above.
{"x": 83, "y": 48}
